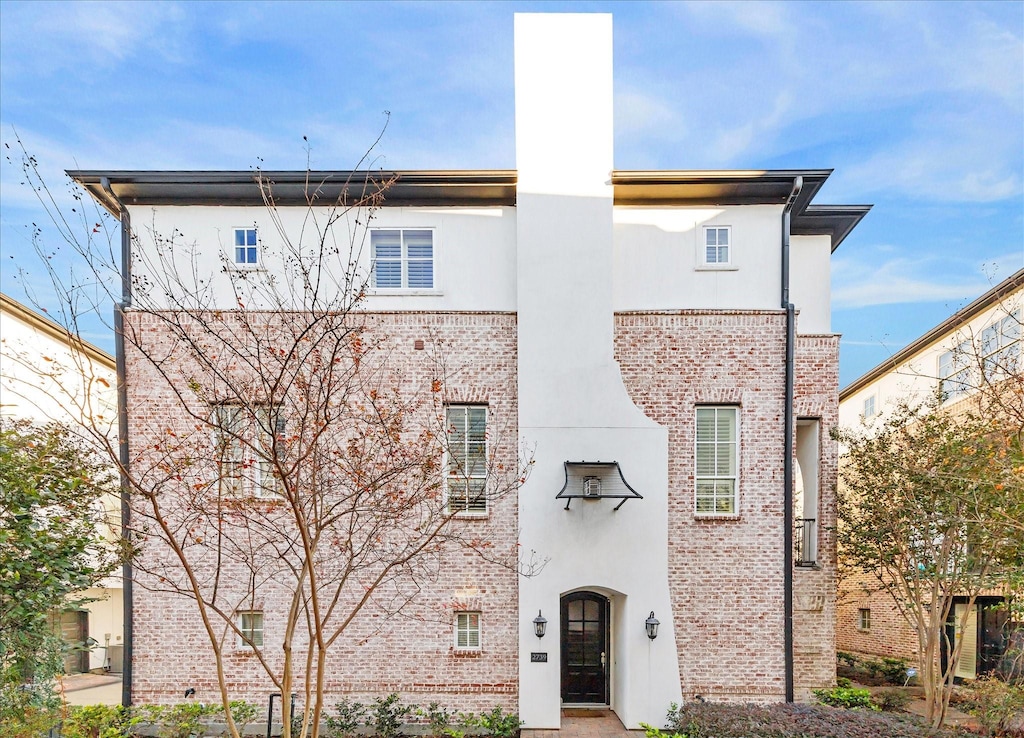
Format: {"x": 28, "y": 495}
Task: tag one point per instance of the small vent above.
{"x": 591, "y": 486}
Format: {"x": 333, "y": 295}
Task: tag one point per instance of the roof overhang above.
{"x": 469, "y": 188}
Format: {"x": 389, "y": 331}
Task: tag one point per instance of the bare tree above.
{"x": 285, "y": 447}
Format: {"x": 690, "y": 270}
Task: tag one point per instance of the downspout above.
{"x": 122, "y": 433}
{"x": 787, "y": 464}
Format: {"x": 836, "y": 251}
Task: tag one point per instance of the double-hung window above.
{"x": 467, "y": 630}
{"x": 250, "y": 628}
{"x": 403, "y": 258}
{"x": 246, "y": 252}
{"x": 717, "y": 461}
{"x": 955, "y": 371}
{"x": 244, "y": 443}
{"x": 467, "y": 458}
{"x": 1000, "y": 346}
{"x": 717, "y": 245}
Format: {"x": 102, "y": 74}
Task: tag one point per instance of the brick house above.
{"x": 946, "y": 358}
{"x": 659, "y": 339}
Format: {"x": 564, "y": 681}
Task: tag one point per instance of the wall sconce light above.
{"x": 540, "y": 625}
{"x": 652, "y": 626}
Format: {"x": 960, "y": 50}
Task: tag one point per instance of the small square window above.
{"x": 250, "y": 627}
{"x": 403, "y": 258}
{"x": 467, "y": 630}
{"x": 717, "y": 245}
{"x": 864, "y": 619}
{"x": 246, "y": 247}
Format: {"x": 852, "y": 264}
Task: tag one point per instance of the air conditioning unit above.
{"x": 591, "y": 486}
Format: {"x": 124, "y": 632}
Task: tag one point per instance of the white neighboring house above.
{"x": 982, "y": 336}
{"x": 46, "y": 375}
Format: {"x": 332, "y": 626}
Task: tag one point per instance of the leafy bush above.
{"x": 999, "y": 706}
{"x": 846, "y": 697}
{"x": 500, "y": 724}
{"x": 350, "y": 715}
{"x": 843, "y": 682}
{"x": 892, "y": 700}
{"x": 705, "y": 720}
{"x": 387, "y": 714}
{"x": 97, "y": 721}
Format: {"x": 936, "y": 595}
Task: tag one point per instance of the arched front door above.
{"x": 585, "y": 653}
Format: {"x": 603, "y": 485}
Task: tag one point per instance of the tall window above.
{"x": 467, "y": 630}
{"x": 467, "y": 458}
{"x": 403, "y": 258}
{"x": 250, "y": 626}
{"x": 245, "y": 247}
{"x": 1000, "y": 346}
{"x": 869, "y": 407}
{"x": 864, "y": 619}
{"x": 717, "y": 241}
{"x": 955, "y": 371}
{"x": 717, "y": 460}
{"x": 244, "y": 440}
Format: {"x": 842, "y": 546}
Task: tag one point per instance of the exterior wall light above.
{"x": 652, "y": 626}
{"x": 540, "y": 625}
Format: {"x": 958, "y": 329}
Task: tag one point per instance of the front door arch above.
{"x": 585, "y": 644}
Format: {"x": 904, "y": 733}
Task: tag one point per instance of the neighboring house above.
{"x": 983, "y": 336}
{"x": 642, "y": 315}
{"x": 47, "y": 375}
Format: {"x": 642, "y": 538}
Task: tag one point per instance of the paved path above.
{"x": 597, "y": 724}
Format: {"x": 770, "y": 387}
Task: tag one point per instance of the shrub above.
{"x": 894, "y": 670}
{"x": 97, "y": 721}
{"x": 998, "y": 706}
{"x": 843, "y": 682}
{"x": 846, "y": 697}
{"x": 349, "y": 716}
{"x": 387, "y": 714}
{"x": 500, "y": 724}
{"x": 892, "y": 700}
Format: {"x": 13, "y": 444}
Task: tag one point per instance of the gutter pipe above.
{"x": 122, "y": 433}
{"x": 788, "y": 433}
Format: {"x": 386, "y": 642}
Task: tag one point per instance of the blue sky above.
{"x": 919, "y": 107}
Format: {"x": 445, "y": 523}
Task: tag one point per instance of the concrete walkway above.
{"x": 586, "y": 724}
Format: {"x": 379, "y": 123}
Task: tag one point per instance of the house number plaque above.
{"x": 538, "y": 658}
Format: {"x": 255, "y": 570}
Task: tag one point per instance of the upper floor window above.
{"x": 717, "y": 245}
{"x": 244, "y": 439}
{"x": 246, "y": 253}
{"x": 955, "y": 371}
{"x": 717, "y": 460}
{"x": 869, "y": 407}
{"x": 467, "y": 458}
{"x": 1000, "y": 345}
{"x": 250, "y": 628}
{"x": 403, "y": 258}
{"x": 467, "y": 630}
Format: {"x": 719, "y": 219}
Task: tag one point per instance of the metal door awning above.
{"x": 596, "y": 480}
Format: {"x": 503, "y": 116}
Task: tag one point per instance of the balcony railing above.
{"x": 806, "y": 542}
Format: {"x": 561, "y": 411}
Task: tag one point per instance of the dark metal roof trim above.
{"x": 626, "y": 493}
{"x": 950, "y": 324}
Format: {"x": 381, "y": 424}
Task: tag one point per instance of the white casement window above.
{"x": 717, "y": 461}
{"x": 244, "y": 444}
{"x": 869, "y": 407}
{"x": 403, "y": 258}
{"x": 467, "y": 458}
{"x": 250, "y": 628}
{"x": 467, "y": 631}
{"x": 717, "y": 245}
{"x": 246, "y": 252}
{"x": 1000, "y": 346}
{"x": 955, "y": 371}
{"x": 864, "y": 619}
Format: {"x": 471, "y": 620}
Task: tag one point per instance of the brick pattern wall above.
{"x": 889, "y": 634}
{"x": 725, "y": 574}
{"x": 412, "y": 653}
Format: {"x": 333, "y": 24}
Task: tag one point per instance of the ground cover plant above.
{"x": 706, "y": 720}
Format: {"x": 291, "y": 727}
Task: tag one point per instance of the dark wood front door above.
{"x": 585, "y": 654}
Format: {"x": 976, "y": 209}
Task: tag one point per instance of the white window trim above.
{"x": 864, "y": 613}
{"x": 735, "y": 477}
{"x": 468, "y": 630}
{"x": 873, "y": 399}
{"x": 959, "y": 366}
{"x": 703, "y": 265}
{"x": 240, "y": 640}
{"x": 249, "y": 479}
{"x": 245, "y": 266}
{"x": 412, "y": 291}
{"x": 447, "y": 460}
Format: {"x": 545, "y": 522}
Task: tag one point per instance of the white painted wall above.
{"x": 810, "y": 283}
{"x": 917, "y": 378}
{"x": 572, "y": 403}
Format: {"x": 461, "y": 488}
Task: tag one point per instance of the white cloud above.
{"x": 865, "y": 283}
